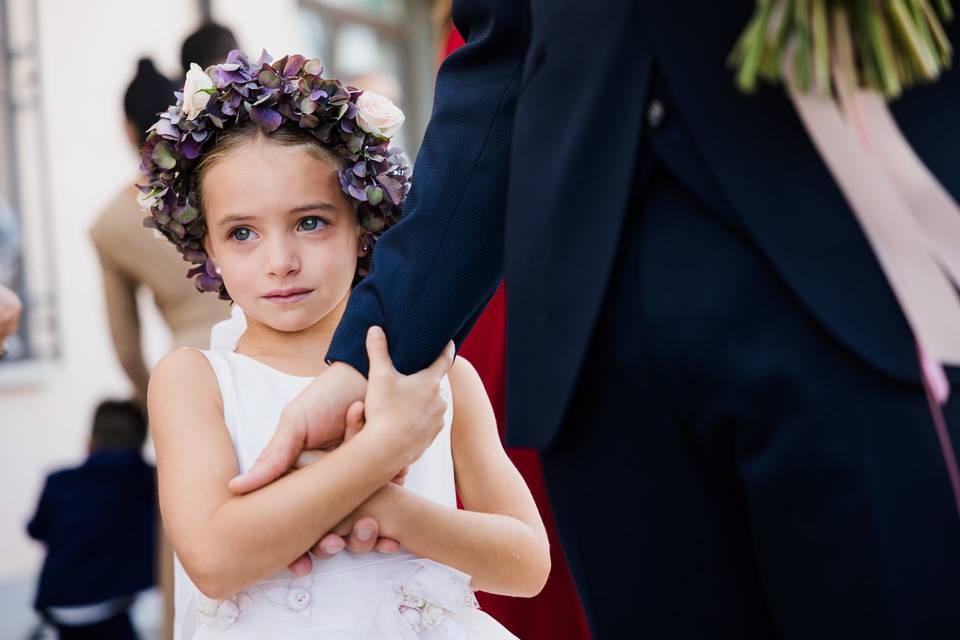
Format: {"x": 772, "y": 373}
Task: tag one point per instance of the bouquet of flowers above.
{"x": 884, "y": 45}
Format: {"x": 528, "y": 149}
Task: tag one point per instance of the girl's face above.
{"x": 282, "y": 233}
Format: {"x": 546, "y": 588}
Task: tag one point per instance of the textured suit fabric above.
{"x": 555, "y": 613}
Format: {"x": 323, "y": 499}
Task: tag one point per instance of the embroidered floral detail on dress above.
{"x": 298, "y": 599}
{"x": 227, "y": 613}
{"x": 424, "y": 599}
{"x": 293, "y": 595}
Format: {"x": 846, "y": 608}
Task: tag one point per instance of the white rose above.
{"x": 195, "y": 97}
{"x": 376, "y": 114}
{"x": 147, "y": 200}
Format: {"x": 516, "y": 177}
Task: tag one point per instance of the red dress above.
{"x": 556, "y": 613}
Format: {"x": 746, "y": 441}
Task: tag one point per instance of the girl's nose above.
{"x": 282, "y": 258}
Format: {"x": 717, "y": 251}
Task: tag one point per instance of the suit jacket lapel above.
{"x": 777, "y": 184}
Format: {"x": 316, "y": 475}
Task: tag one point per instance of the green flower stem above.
{"x": 936, "y": 27}
{"x": 821, "y": 46}
{"x": 921, "y": 50}
{"x": 886, "y": 45}
{"x": 749, "y": 48}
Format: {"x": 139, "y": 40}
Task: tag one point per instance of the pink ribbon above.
{"x": 911, "y": 222}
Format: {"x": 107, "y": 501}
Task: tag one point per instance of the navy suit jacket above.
{"x": 98, "y": 523}
{"x": 526, "y": 170}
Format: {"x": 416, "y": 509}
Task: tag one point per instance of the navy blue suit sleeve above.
{"x": 433, "y": 272}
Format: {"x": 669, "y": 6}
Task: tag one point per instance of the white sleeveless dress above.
{"x": 368, "y": 596}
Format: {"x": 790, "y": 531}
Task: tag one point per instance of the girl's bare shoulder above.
{"x": 471, "y": 404}
{"x": 462, "y": 373}
{"x": 184, "y": 375}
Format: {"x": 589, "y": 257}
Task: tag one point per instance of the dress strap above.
{"x": 225, "y": 380}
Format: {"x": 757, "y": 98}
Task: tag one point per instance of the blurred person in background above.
{"x": 208, "y": 45}
{"x": 97, "y": 522}
{"x": 11, "y": 346}
{"x": 132, "y": 257}
{"x": 10, "y": 308}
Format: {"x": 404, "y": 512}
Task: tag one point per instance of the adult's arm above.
{"x": 436, "y": 269}
{"x": 120, "y": 294}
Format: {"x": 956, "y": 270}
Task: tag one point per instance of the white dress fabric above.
{"x": 369, "y": 596}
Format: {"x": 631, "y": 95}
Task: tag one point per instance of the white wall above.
{"x": 89, "y": 51}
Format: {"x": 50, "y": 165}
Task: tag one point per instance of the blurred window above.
{"x": 26, "y": 254}
{"x": 383, "y": 46}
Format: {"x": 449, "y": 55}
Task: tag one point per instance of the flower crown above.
{"x": 355, "y": 125}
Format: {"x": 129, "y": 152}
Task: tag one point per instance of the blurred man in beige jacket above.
{"x": 133, "y": 256}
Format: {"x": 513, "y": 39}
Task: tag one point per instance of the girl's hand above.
{"x": 313, "y": 420}
{"x": 363, "y": 536}
{"x": 361, "y": 528}
{"x": 407, "y": 410}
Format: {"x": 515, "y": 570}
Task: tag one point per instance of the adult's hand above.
{"x": 406, "y": 414}
{"x": 363, "y": 535}
{"x": 405, "y": 411}
{"x": 313, "y": 420}
{"x": 10, "y": 309}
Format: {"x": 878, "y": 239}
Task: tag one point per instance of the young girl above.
{"x": 276, "y": 182}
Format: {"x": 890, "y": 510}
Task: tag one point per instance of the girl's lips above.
{"x": 288, "y": 296}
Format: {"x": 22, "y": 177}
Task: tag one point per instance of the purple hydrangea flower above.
{"x": 269, "y": 93}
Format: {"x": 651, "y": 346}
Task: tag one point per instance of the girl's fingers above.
{"x": 354, "y": 419}
{"x": 308, "y": 457}
{"x": 329, "y": 546}
{"x": 302, "y": 565}
{"x": 387, "y": 545}
{"x": 364, "y": 535}
{"x": 401, "y": 478}
{"x": 275, "y": 460}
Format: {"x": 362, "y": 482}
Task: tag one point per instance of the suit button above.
{"x": 656, "y": 113}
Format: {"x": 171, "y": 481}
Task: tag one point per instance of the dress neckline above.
{"x": 274, "y": 369}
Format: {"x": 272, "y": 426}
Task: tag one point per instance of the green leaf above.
{"x": 186, "y": 215}
{"x": 821, "y": 46}
{"x": 163, "y": 157}
{"x": 374, "y": 223}
{"x": 374, "y": 195}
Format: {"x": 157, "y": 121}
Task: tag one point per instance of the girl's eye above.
{"x": 311, "y": 223}
{"x": 241, "y": 234}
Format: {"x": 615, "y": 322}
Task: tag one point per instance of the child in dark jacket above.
{"x": 98, "y": 524}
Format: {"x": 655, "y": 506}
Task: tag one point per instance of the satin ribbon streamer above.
{"x": 910, "y": 220}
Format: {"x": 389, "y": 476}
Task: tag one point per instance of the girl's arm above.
{"x": 499, "y": 540}
{"x": 226, "y": 542}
